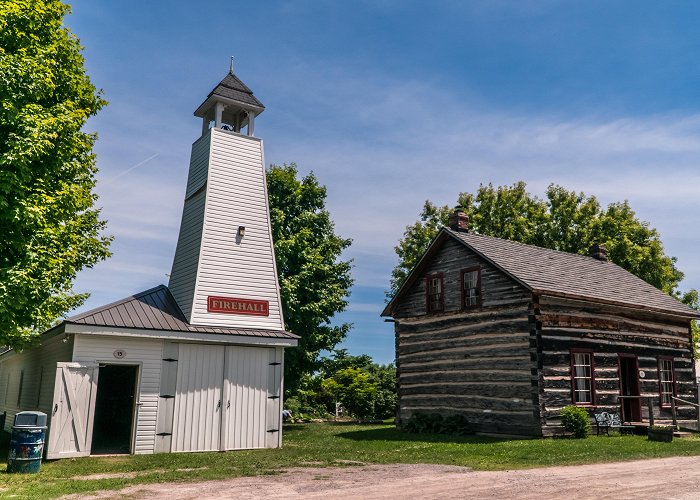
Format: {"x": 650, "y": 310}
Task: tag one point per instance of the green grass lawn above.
{"x": 333, "y": 445}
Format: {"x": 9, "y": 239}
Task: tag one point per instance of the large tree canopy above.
{"x": 49, "y": 226}
{"x": 565, "y": 220}
{"x": 314, "y": 281}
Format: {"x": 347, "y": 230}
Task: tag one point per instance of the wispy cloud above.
{"x": 382, "y": 147}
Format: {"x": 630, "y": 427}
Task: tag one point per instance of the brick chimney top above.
{"x": 598, "y": 252}
{"x": 458, "y": 221}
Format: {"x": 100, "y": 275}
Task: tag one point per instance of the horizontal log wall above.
{"x": 609, "y": 331}
{"x": 475, "y": 363}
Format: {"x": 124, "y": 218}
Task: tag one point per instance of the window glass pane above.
{"x": 470, "y": 279}
{"x": 666, "y": 380}
{"x": 470, "y": 282}
{"x": 435, "y": 294}
{"x": 582, "y": 378}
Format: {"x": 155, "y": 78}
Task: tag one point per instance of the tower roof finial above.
{"x": 230, "y": 70}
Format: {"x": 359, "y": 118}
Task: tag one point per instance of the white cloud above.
{"x": 382, "y": 147}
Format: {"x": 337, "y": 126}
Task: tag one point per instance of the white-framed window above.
{"x": 582, "y": 381}
{"x": 667, "y": 381}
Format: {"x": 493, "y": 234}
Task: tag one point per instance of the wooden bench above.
{"x": 606, "y": 421}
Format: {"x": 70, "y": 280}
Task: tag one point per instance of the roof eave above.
{"x": 82, "y": 328}
{"x": 204, "y": 108}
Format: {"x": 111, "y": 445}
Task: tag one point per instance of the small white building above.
{"x": 194, "y": 366}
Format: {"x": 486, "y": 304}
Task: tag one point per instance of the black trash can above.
{"x": 27, "y": 442}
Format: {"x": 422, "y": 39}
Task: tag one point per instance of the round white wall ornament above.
{"x": 119, "y": 354}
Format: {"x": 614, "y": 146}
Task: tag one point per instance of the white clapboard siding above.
{"x": 39, "y": 367}
{"x": 199, "y": 162}
{"x": 184, "y": 271}
{"x": 246, "y": 396}
{"x": 147, "y": 354}
{"x": 197, "y": 415}
{"x": 236, "y": 195}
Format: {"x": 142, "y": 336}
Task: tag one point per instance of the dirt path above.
{"x": 668, "y": 478}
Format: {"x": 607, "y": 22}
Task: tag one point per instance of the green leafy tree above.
{"x": 565, "y": 220}
{"x": 314, "y": 281}
{"x": 49, "y": 226}
{"x": 355, "y": 389}
{"x": 371, "y": 395}
{"x": 341, "y": 359}
{"x": 692, "y": 299}
{"x": 386, "y": 398}
{"x": 383, "y": 377}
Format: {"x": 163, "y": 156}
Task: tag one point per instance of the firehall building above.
{"x": 193, "y": 366}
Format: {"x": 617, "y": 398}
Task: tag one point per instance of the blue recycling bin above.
{"x": 27, "y": 442}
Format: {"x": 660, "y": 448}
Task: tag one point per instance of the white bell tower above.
{"x": 224, "y": 271}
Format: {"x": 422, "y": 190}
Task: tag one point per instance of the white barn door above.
{"x": 73, "y": 410}
{"x": 249, "y": 374}
{"x": 198, "y": 402}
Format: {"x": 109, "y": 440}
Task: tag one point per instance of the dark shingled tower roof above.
{"x": 233, "y": 91}
{"x": 232, "y": 87}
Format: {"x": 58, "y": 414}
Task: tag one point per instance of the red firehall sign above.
{"x": 229, "y": 305}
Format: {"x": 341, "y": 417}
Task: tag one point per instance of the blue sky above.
{"x": 391, "y": 103}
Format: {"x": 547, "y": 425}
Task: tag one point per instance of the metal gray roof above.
{"x": 552, "y": 272}
{"x": 156, "y": 309}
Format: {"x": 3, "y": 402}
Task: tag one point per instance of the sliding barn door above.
{"x": 70, "y": 433}
{"x": 198, "y": 398}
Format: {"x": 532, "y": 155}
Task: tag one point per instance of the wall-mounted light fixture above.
{"x": 241, "y": 231}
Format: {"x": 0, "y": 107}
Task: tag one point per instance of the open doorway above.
{"x": 114, "y": 409}
{"x": 629, "y": 386}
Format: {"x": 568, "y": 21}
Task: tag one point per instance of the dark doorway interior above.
{"x": 114, "y": 409}
{"x": 629, "y": 386}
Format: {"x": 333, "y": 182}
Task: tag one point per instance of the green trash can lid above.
{"x": 30, "y": 419}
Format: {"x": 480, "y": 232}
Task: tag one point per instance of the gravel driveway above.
{"x": 667, "y": 478}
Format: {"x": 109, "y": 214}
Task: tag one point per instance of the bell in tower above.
{"x": 224, "y": 271}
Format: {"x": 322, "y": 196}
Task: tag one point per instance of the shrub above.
{"x": 576, "y": 421}
{"x": 434, "y": 423}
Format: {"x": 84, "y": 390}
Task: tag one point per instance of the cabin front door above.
{"x": 631, "y": 408}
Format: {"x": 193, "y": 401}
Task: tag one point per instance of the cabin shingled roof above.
{"x": 156, "y": 309}
{"x": 232, "y": 87}
{"x": 553, "y": 272}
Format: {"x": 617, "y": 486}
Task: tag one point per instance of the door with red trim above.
{"x": 629, "y": 386}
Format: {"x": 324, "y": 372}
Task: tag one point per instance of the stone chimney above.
{"x": 459, "y": 221}
{"x": 598, "y": 252}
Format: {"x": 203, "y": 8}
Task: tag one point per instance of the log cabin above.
{"x": 506, "y": 334}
